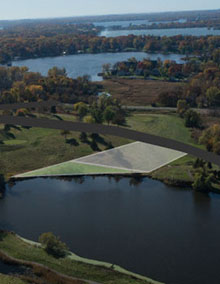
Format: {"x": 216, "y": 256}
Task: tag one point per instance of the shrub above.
{"x": 192, "y": 119}
{"x": 53, "y": 245}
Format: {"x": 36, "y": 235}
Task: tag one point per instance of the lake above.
{"x": 132, "y": 22}
{"x": 162, "y": 32}
{"x": 90, "y": 64}
{"x": 168, "y": 234}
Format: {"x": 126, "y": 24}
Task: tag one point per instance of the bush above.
{"x": 182, "y": 107}
{"x": 192, "y": 119}
{"x": 203, "y": 182}
{"x": 53, "y": 245}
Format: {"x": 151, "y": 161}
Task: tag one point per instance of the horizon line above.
{"x": 107, "y": 15}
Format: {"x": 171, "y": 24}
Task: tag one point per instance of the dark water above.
{"x": 12, "y": 269}
{"x": 165, "y": 233}
{"x": 90, "y": 64}
{"x": 162, "y": 32}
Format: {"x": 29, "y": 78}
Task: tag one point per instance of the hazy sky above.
{"x": 17, "y": 9}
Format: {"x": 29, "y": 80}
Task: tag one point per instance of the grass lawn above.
{"x": 101, "y": 273}
{"x": 180, "y": 170}
{"x": 165, "y": 125}
{"x": 4, "y": 279}
{"x": 70, "y": 168}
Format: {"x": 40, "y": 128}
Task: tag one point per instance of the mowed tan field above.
{"x": 137, "y": 92}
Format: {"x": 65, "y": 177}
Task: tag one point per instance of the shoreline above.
{"x": 5, "y": 257}
{"x": 180, "y": 184}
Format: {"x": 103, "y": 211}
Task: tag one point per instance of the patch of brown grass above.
{"x": 137, "y": 91}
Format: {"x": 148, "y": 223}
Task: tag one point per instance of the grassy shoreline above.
{"x": 28, "y": 252}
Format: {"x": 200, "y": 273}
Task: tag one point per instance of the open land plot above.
{"x": 72, "y": 168}
{"x": 27, "y": 149}
{"x": 138, "y": 92}
{"x": 137, "y": 157}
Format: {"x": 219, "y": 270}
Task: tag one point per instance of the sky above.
{"x": 23, "y": 9}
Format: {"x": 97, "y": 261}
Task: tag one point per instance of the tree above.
{"x": 119, "y": 118}
{"x": 192, "y": 119}
{"x": 109, "y": 114}
{"x": 83, "y": 137}
{"x": 106, "y": 68}
{"x": 53, "y": 245}
{"x": 211, "y": 138}
{"x": 182, "y": 107}
{"x": 55, "y": 71}
{"x": 96, "y": 113}
{"x": 213, "y": 96}
{"x": 203, "y": 182}
{"x": 199, "y": 163}
{"x": 81, "y": 109}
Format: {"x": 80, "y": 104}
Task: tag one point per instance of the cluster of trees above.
{"x": 211, "y": 138}
{"x": 204, "y": 89}
{"x": 55, "y": 45}
{"x": 205, "y": 176}
{"x": 167, "y": 70}
{"x": 19, "y": 85}
{"x": 37, "y": 30}
{"x": 203, "y": 84}
{"x": 191, "y": 117}
{"x": 103, "y": 109}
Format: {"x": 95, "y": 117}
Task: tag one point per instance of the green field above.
{"x": 165, "y": 125}
{"x": 72, "y": 168}
{"x": 70, "y": 265}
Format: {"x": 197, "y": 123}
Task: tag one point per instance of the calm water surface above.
{"x": 167, "y": 234}
{"x": 90, "y": 64}
{"x": 162, "y": 32}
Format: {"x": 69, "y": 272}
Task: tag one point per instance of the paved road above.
{"x": 114, "y": 131}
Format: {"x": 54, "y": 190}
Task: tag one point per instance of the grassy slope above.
{"x": 46, "y": 147}
{"x": 170, "y": 126}
{"x": 42, "y": 148}
{"x": 4, "y": 279}
{"x": 19, "y": 249}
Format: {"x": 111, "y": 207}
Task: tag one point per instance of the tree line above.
{"x": 153, "y": 69}
{"x": 17, "y": 84}
{"x": 31, "y": 46}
